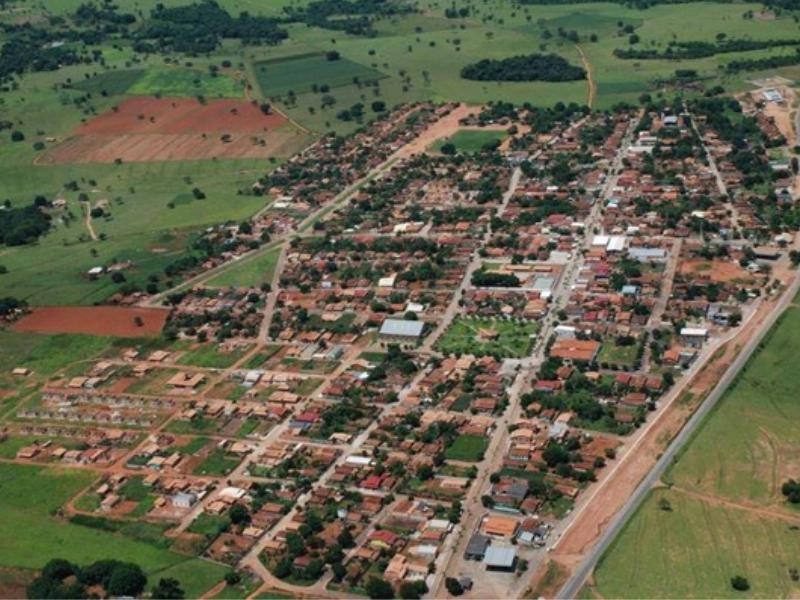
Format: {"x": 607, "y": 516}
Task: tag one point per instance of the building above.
{"x": 575, "y": 350}
{"x": 500, "y": 558}
{"x": 476, "y": 547}
{"x": 402, "y": 329}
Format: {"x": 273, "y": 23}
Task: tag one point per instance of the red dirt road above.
{"x": 117, "y": 321}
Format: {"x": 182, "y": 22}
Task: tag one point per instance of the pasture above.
{"x": 33, "y": 535}
{"x": 160, "y": 81}
{"x": 728, "y": 515}
{"x": 300, "y": 73}
{"x": 693, "y": 549}
{"x": 480, "y": 337}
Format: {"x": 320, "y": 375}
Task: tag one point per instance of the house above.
{"x": 575, "y": 350}
{"x": 499, "y": 526}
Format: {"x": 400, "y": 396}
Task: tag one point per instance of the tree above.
{"x": 127, "y": 579}
{"x": 59, "y": 569}
{"x": 17, "y": 136}
{"x": 448, "y": 149}
{"x": 453, "y": 586}
{"x": 345, "y": 539}
{"x": 379, "y": 588}
{"x": 168, "y": 589}
{"x": 740, "y": 584}
{"x": 791, "y": 489}
{"x": 413, "y": 589}
{"x": 232, "y": 578}
{"x": 239, "y": 514}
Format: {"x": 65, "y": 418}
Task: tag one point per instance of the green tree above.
{"x": 168, "y": 589}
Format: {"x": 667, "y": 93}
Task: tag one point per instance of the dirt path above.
{"x": 444, "y": 127}
{"x": 751, "y": 508}
{"x": 591, "y": 86}
{"x": 87, "y": 209}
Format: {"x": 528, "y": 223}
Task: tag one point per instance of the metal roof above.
{"x": 500, "y": 556}
{"x": 401, "y": 327}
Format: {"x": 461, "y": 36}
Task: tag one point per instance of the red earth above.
{"x": 146, "y": 129}
{"x": 94, "y": 320}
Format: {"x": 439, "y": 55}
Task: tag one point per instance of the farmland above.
{"x": 300, "y": 73}
{"x": 33, "y": 536}
{"x": 725, "y": 489}
{"x": 95, "y": 320}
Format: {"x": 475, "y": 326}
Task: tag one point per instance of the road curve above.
{"x": 572, "y": 587}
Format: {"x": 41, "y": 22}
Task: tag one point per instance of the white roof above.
{"x": 232, "y": 492}
{"x": 358, "y": 460}
{"x": 600, "y": 240}
{"x": 387, "y": 281}
{"x": 694, "y": 331}
{"x": 616, "y": 243}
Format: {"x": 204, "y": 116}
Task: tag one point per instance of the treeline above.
{"x": 27, "y": 48}
{"x": 350, "y": 16}
{"x": 531, "y": 67}
{"x": 760, "y": 64}
{"x": 642, "y": 4}
{"x": 494, "y": 279}
{"x": 22, "y": 225}
{"x": 201, "y": 27}
{"x": 690, "y": 50}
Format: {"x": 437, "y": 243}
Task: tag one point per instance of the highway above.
{"x": 572, "y": 587}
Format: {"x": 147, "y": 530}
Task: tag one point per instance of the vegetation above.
{"x": 532, "y": 67}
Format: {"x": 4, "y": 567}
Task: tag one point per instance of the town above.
{"x": 478, "y": 319}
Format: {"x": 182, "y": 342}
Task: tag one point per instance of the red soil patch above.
{"x": 181, "y": 115}
{"x": 94, "y": 320}
{"x": 154, "y": 129}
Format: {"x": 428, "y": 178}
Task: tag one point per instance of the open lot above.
{"x": 726, "y": 514}
{"x": 505, "y": 339}
{"x": 164, "y": 81}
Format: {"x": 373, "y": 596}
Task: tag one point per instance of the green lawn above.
{"x": 468, "y": 448}
{"x": 472, "y": 141}
{"x": 506, "y": 339}
{"x": 742, "y": 453}
{"x": 32, "y": 536}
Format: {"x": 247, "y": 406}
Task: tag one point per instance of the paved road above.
{"x": 573, "y": 585}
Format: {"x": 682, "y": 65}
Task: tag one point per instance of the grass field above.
{"x": 32, "y": 536}
{"x": 741, "y": 455}
{"x": 211, "y": 356}
{"x": 467, "y": 448}
{"x": 299, "y": 73}
{"x": 472, "y": 141}
{"x": 506, "y": 339}
{"x": 250, "y": 273}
